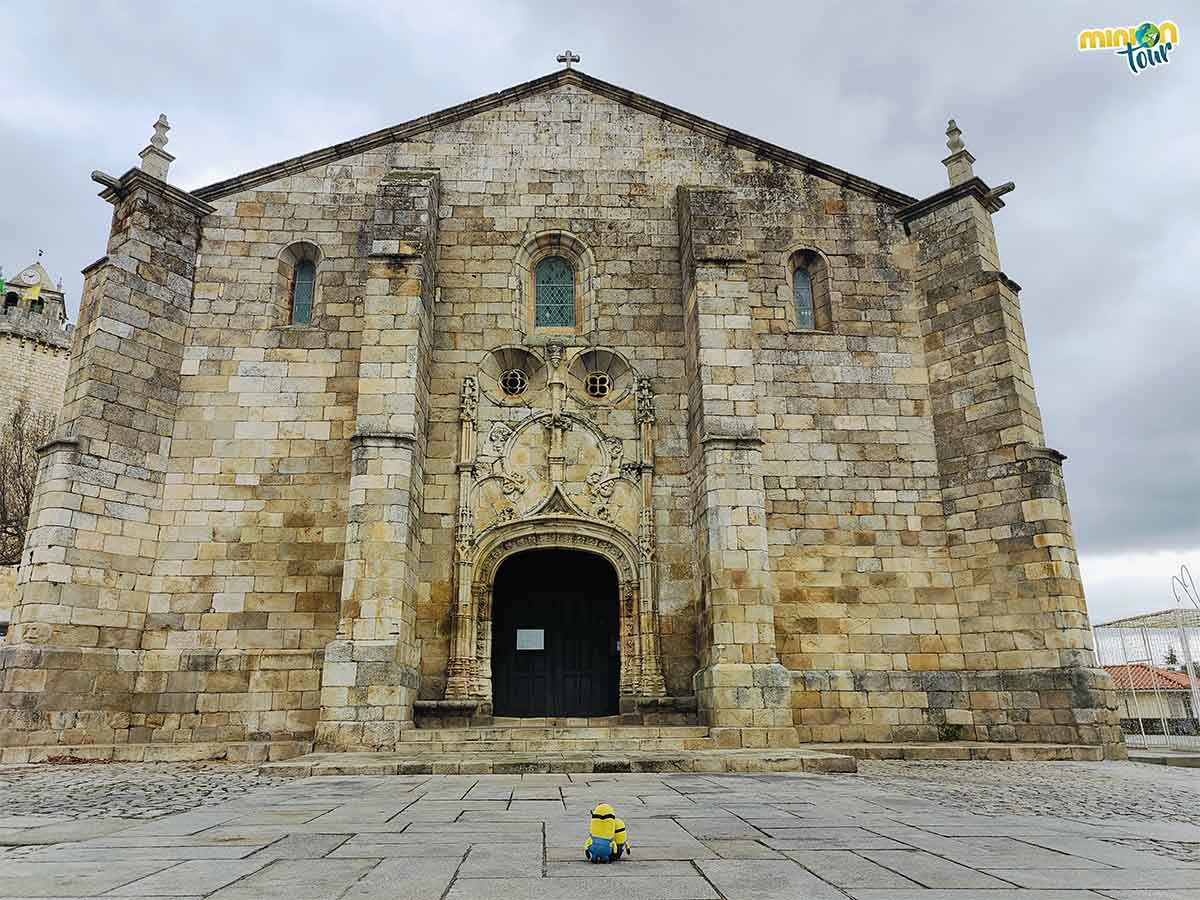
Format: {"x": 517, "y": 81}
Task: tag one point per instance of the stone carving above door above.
{"x": 539, "y": 434}
{"x": 559, "y": 445}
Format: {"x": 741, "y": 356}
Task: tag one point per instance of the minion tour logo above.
{"x": 1144, "y": 47}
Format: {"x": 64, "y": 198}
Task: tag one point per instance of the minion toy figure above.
{"x": 623, "y": 847}
{"x": 601, "y": 846}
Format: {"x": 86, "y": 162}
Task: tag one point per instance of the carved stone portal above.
{"x": 546, "y": 475}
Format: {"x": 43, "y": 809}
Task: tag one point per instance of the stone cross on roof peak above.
{"x": 567, "y": 57}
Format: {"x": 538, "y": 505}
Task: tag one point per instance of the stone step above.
{"x": 552, "y": 733}
{"x": 969, "y": 750}
{"x": 549, "y": 745}
{"x": 556, "y": 722}
{"x": 191, "y": 751}
{"x": 473, "y": 763}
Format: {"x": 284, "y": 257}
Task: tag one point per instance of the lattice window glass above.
{"x": 598, "y": 384}
{"x": 304, "y": 283}
{"x": 513, "y": 382}
{"x": 554, "y": 293}
{"x": 803, "y": 294}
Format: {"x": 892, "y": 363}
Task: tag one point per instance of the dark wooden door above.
{"x": 566, "y": 601}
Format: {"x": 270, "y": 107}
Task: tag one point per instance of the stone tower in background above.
{"x": 35, "y": 342}
{"x": 35, "y": 353}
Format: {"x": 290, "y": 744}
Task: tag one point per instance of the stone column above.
{"x": 651, "y": 683}
{"x": 742, "y": 690}
{"x": 371, "y": 672}
{"x": 1031, "y": 672}
{"x": 69, "y": 666}
{"x": 463, "y": 665}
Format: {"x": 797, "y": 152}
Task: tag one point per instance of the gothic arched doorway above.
{"x": 555, "y": 645}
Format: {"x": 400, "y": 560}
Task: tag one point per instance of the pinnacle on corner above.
{"x": 155, "y": 160}
{"x": 958, "y": 163}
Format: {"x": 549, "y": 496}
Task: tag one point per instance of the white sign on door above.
{"x": 531, "y": 639}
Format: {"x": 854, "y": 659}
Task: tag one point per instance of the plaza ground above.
{"x": 895, "y": 831}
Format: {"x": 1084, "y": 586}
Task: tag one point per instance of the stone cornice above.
{"x": 400, "y": 251}
{"x": 90, "y": 267}
{"x": 731, "y": 441}
{"x": 406, "y": 131}
{"x": 59, "y": 443}
{"x": 1032, "y": 451}
{"x": 117, "y": 189}
{"x": 975, "y": 187}
{"x": 382, "y": 439}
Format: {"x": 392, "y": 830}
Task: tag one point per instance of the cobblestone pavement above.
{"x": 122, "y": 790}
{"x": 1059, "y": 789}
{"x": 896, "y": 831}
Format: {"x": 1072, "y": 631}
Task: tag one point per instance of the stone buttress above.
{"x": 71, "y": 666}
{"x": 1030, "y": 673}
{"x": 742, "y": 690}
{"x": 371, "y": 671}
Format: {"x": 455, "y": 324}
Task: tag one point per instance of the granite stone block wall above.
{"x": 247, "y": 529}
{"x": 32, "y": 372}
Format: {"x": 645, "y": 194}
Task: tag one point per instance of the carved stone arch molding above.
{"x": 469, "y": 674}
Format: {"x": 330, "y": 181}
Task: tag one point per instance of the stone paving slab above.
{"x": 766, "y": 880}
{"x": 405, "y": 879}
{"x": 636, "y": 887}
{"x": 933, "y": 871}
{"x": 1006, "y": 894}
{"x": 900, "y": 831}
{"x": 1100, "y": 879}
{"x": 849, "y": 870}
{"x": 313, "y": 879}
{"x": 194, "y": 878}
{"x": 69, "y": 879}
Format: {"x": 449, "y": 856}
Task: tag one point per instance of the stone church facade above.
{"x": 345, "y": 437}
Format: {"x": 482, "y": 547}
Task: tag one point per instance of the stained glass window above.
{"x": 803, "y": 294}
{"x": 303, "y": 284}
{"x": 554, "y": 293}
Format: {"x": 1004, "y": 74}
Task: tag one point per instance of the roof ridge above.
{"x": 413, "y": 127}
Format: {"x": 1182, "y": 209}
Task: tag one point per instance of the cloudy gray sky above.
{"x": 1100, "y": 232}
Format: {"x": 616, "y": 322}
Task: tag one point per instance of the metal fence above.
{"x": 1154, "y": 659}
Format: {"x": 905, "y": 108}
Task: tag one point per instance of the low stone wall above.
{"x": 153, "y": 696}
{"x": 1065, "y": 706}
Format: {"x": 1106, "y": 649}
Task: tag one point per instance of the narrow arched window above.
{"x": 802, "y": 295}
{"x": 10, "y": 301}
{"x": 304, "y": 283}
{"x": 38, "y": 305}
{"x": 554, "y": 293}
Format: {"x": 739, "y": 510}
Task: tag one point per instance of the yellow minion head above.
{"x": 604, "y": 822}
